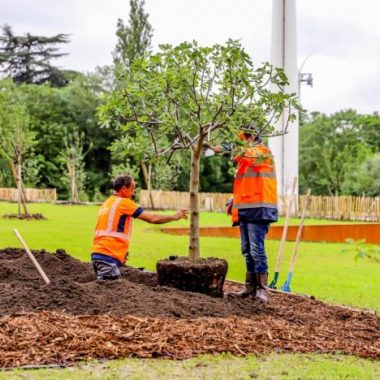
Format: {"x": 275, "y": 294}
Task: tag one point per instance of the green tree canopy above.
{"x": 332, "y": 147}
{"x": 26, "y": 59}
{"x": 133, "y": 39}
{"x": 364, "y": 179}
{"x": 56, "y": 113}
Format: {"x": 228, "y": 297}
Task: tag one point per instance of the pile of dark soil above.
{"x": 25, "y": 216}
{"x": 74, "y": 289}
{"x": 77, "y": 317}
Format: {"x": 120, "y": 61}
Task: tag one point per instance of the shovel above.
{"x": 286, "y": 286}
{"x": 283, "y": 237}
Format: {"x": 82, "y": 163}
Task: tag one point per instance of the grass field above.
{"x": 218, "y": 367}
{"x": 322, "y": 270}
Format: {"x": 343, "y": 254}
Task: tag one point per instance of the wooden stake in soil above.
{"x": 35, "y": 262}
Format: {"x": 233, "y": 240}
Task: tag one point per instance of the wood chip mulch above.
{"x": 57, "y": 338}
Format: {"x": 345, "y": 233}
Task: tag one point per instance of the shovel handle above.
{"x": 299, "y": 232}
{"x": 34, "y": 261}
{"x": 285, "y": 228}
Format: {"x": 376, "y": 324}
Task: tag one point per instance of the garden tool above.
{"x": 286, "y": 286}
{"x": 34, "y": 261}
{"x": 284, "y": 233}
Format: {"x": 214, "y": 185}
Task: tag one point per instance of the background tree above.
{"x": 53, "y": 112}
{"x": 332, "y": 147}
{"x": 16, "y": 138}
{"x": 73, "y": 156}
{"x": 133, "y": 39}
{"x": 156, "y": 171}
{"x": 180, "y": 96}
{"x": 26, "y": 59}
{"x": 364, "y": 179}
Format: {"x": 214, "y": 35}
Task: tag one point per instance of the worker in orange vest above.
{"x": 114, "y": 228}
{"x": 253, "y": 208}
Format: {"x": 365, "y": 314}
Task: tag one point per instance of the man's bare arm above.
{"x": 161, "y": 219}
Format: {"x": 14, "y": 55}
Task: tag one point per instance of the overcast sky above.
{"x": 342, "y": 36}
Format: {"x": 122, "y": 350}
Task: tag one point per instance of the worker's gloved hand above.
{"x": 217, "y": 148}
{"x": 229, "y": 205}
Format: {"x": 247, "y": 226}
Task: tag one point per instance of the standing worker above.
{"x": 114, "y": 228}
{"x": 253, "y": 207}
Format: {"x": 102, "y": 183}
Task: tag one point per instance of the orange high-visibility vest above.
{"x": 255, "y": 183}
{"x": 114, "y": 227}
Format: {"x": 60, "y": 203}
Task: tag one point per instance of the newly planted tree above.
{"x": 180, "y": 97}
{"x": 16, "y": 138}
{"x": 73, "y": 156}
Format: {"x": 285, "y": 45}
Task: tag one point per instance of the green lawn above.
{"x": 218, "y": 367}
{"x": 322, "y": 270}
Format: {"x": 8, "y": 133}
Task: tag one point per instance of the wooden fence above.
{"x": 323, "y": 207}
{"x": 32, "y": 195}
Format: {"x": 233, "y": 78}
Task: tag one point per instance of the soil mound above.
{"x": 77, "y": 317}
{"x": 74, "y": 289}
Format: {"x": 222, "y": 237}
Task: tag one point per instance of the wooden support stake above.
{"x": 35, "y": 262}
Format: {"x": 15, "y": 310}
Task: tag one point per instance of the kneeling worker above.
{"x": 114, "y": 228}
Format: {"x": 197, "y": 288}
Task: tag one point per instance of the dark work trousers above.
{"x": 252, "y": 237}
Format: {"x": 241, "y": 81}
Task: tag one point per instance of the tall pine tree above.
{"x": 26, "y": 59}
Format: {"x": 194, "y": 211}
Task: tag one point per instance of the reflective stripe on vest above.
{"x": 254, "y": 205}
{"x": 119, "y": 235}
{"x": 252, "y": 174}
{"x": 111, "y": 219}
{"x": 111, "y": 216}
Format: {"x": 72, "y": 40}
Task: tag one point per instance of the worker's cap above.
{"x": 247, "y": 131}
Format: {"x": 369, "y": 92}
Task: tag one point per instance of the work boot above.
{"x": 262, "y": 289}
{"x": 250, "y": 287}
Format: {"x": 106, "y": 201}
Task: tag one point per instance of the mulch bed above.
{"x": 77, "y": 317}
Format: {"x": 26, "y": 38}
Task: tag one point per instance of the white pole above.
{"x": 34, "y": 261}
{"x": 284, "y": 55}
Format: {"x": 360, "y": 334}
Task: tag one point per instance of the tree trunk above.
{"x": 14, "y": 170}
{"x": 194, "y": 202}
{"x": 73, "y": 181}
{"x": 147, "y": 174}
{"x": 73, "y": 195}
{"x": 23, "y": 197}
{"x": 18, "y": 185}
